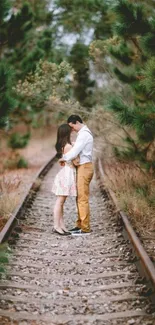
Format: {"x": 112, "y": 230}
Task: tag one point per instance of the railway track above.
{"x": 142, "y": 248}
{"x": 73, "y": 280}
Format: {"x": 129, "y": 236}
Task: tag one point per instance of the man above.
{"x": 83, "y": 147}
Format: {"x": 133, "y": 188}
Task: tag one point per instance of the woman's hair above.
{"x": 63, "y": 137}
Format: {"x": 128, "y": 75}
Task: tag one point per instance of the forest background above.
{"x": 94, "y": 58}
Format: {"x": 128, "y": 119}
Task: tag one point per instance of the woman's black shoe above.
{"x": 67, "y": 232}
{"x": 62, "y": 233}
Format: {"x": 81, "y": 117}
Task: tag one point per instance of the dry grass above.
{"x": 9, "y": 197}
{"x": 135, "y": 192}
{"x": 7, "y": 184}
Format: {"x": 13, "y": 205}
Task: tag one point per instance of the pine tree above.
{"x": 29, "y": 36}
{"x": 79, "y": 17}
{"x": 26, "y": 37}
{"x": 135, "y": 56}
{"x": 4, "y": 10}
{"x": 23, "y": 41}
{"x": 83, "y": 87}
{"x": 40, "y": 9}
{"x": 7, "y": 101}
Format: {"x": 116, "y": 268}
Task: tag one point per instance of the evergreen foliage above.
{"x": 148, "y": 42}
{"x": 131, "y": 19}
{"x": 28, "y": 42}
{"x": 4, "y": 11}
{"x": 132, "y": 51}
{"x": 39, "y": 8}
{"x": 31, "y": 33}
{"x": 19, "y": 24}
{"x": 22, "y": 163}
{"x": 81, "y": 18}
{"x": 134, "y": 27}
{"x": 79, "y": 15}
{"x": 49, "y": 80}
{"x": 7, "y": 101}
{"x": 125, "y": 114}
{"x": 83, "y": 88}
{"x": 26, "y": 37}
{"x": 123, "y": 31}
{"x": 18, "y": 141}
{"x": 122, "y": 52}
{"x": 148, "y": 77}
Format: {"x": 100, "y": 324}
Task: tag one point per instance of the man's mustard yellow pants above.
{"x": 84, "y": 176}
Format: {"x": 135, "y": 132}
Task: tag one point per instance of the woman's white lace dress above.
{"x": 65, "y": 181}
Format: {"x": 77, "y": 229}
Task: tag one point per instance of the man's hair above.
{"x": 74, "y": 118}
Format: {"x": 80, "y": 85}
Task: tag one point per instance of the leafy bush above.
{"x": 18, "y": 141}
{"x": 16, "y": 161}
{"x": 22, "y": 163}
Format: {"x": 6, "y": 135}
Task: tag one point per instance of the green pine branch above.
{"x": 7, "y": 101}
{"x": 148, "y": 77}
{"x": 131, "y": 19}
{"x": 4, "y": 9}
{"x": 122, "y": 52}
{"x": 125, "y": 77}
{"x": 148, "y": 43}
{"x": 124, "y": 114}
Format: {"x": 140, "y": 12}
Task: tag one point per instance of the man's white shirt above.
{"x": 83, "y": 147}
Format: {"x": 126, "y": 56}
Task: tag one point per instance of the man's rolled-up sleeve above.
{"x": 77, "y": 148}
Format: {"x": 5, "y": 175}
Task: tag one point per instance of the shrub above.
{"x": 9, "y": 197}
{"x": 18, "y": 141}
{"x": 16, "y": 161}
{"x": 22, "y": 163}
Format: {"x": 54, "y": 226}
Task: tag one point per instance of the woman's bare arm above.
{"x": 67, "y": 148}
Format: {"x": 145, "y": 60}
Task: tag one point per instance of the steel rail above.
{"x": 5, "y": 232}
{"x": 147, "y": 268}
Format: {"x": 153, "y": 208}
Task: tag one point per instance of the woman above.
{"x": 65, "y": 181}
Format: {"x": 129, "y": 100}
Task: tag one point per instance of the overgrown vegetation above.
{"x": 128, "y": 59}
{"x": 4, "y": 258}
{"x": 132, "y": 50}
{"x": 135, "y": 192}
{"x": 18, "y": 141}
{"x": 8, "y": 197}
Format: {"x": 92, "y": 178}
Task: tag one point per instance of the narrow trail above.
{"x": 72, "y": 280}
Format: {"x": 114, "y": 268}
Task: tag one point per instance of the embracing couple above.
{"x": 75, "y": 175}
